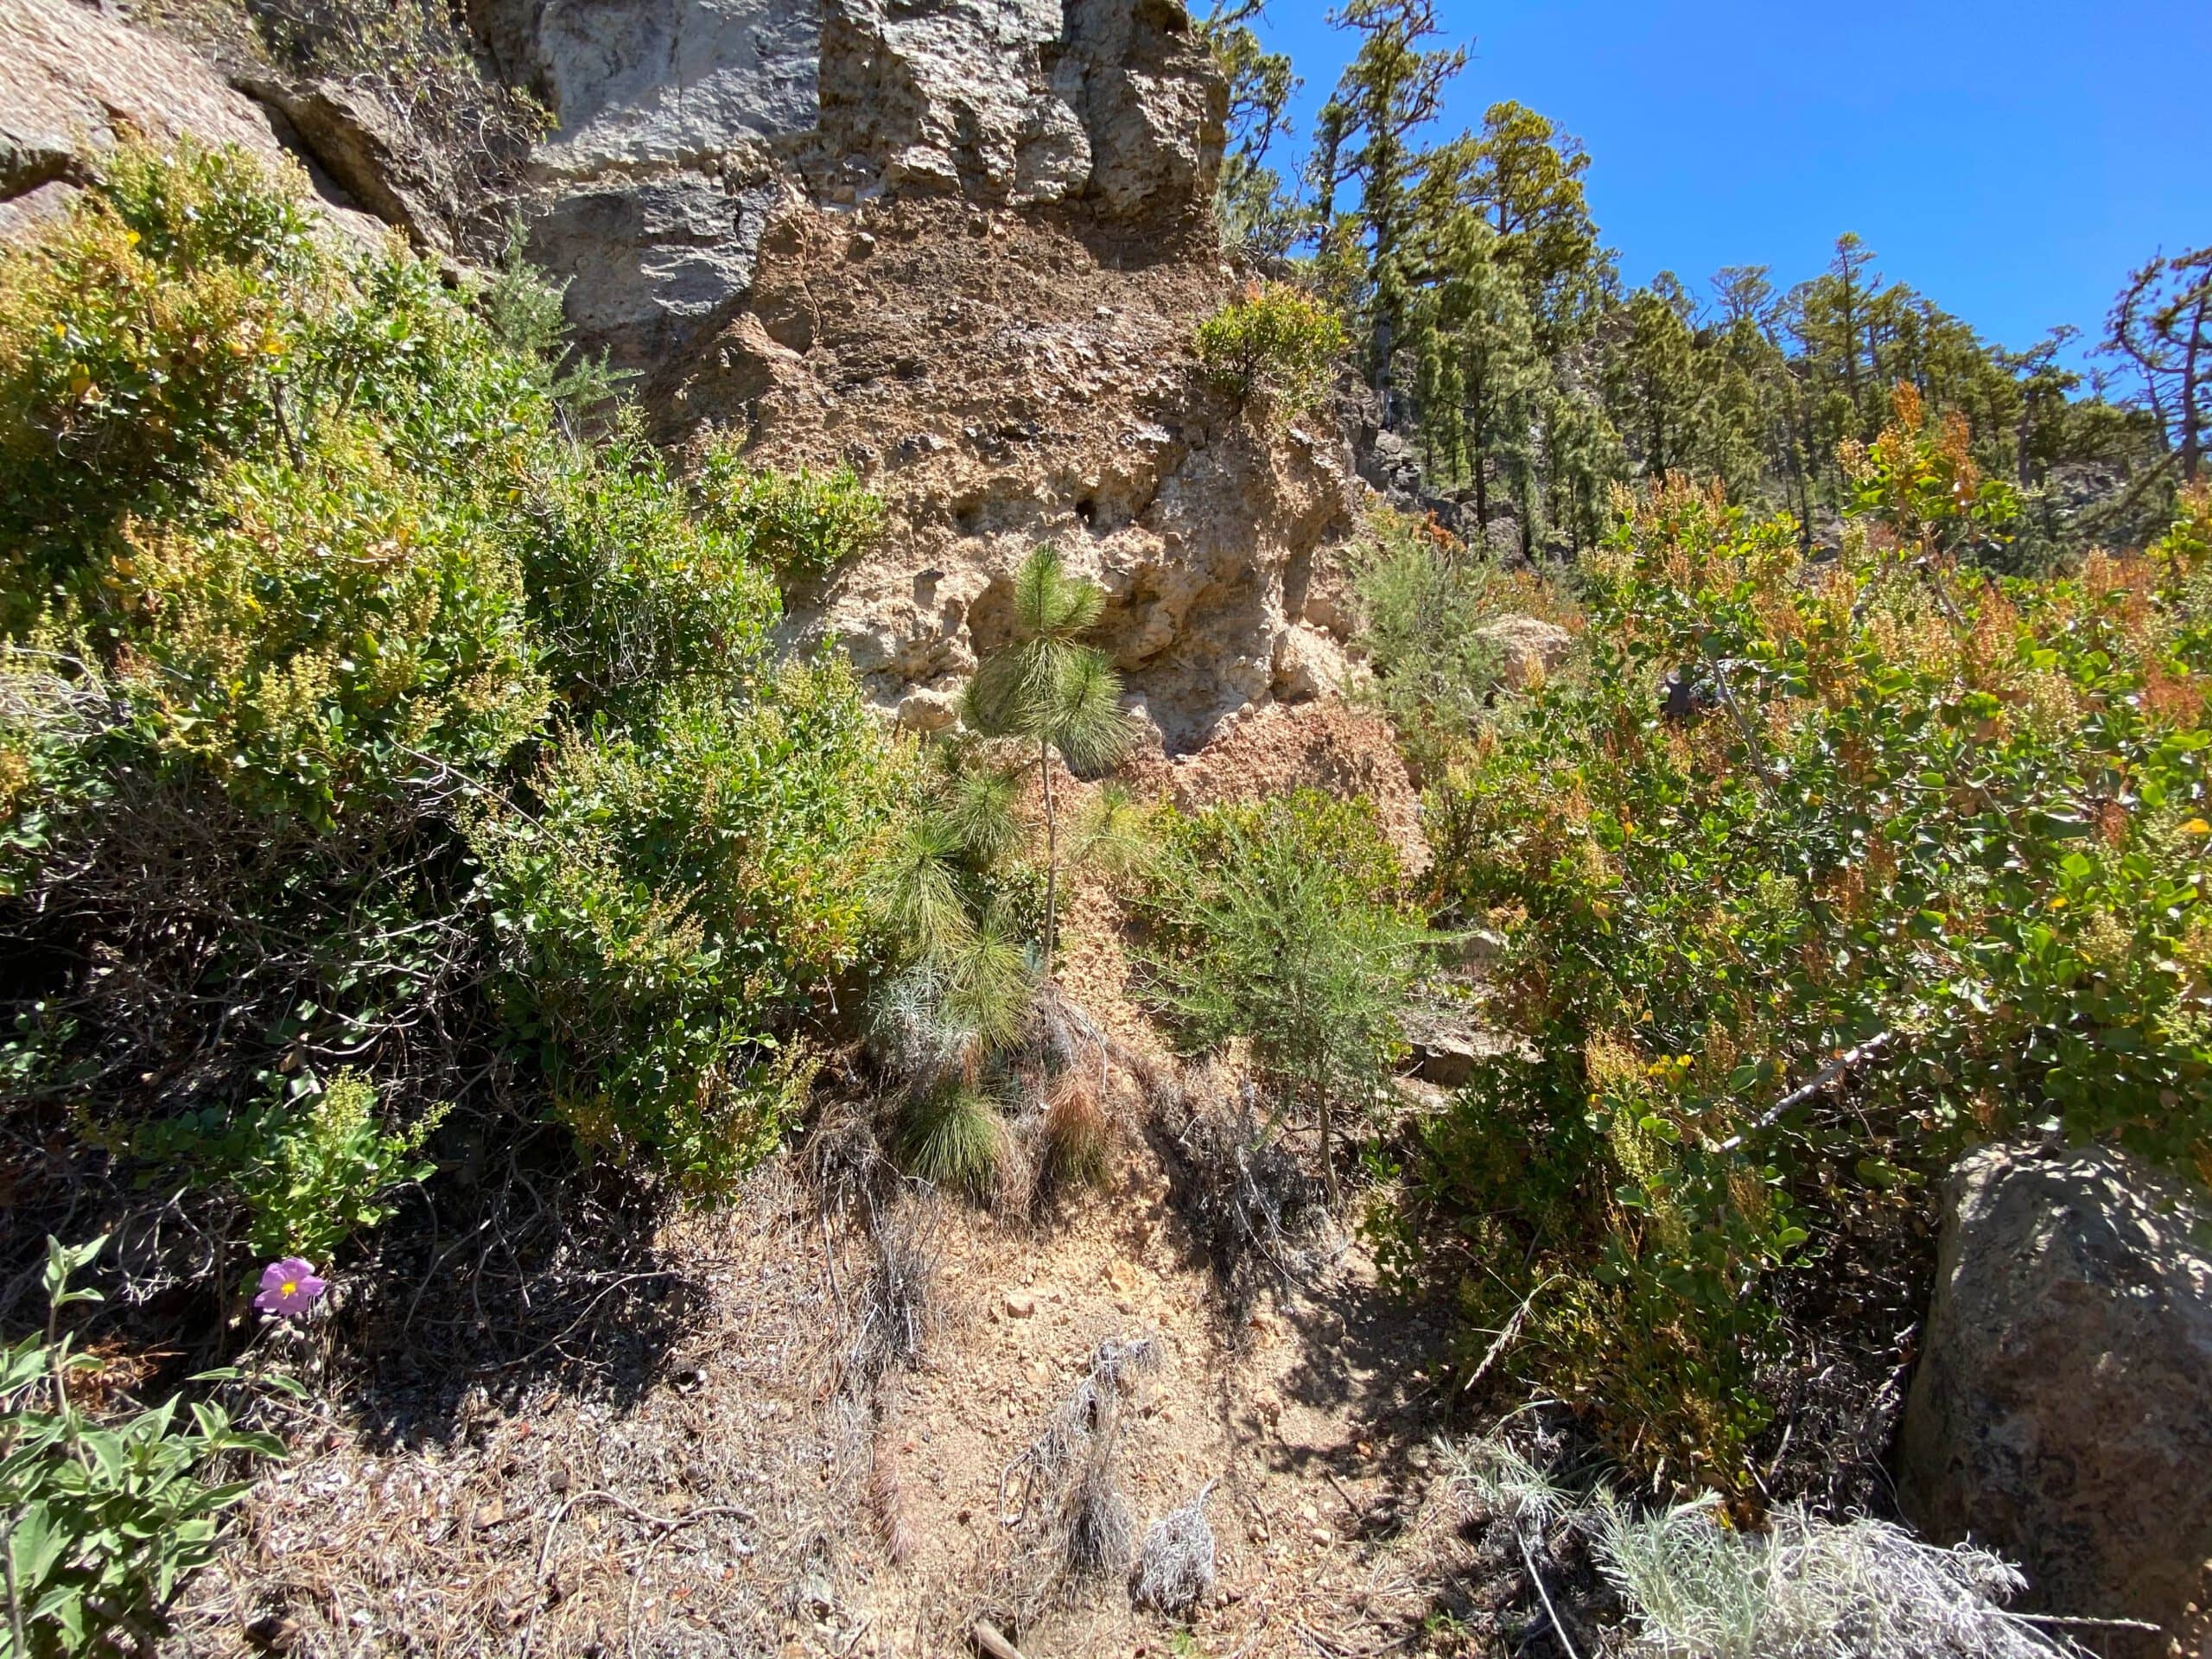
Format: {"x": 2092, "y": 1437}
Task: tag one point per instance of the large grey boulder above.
{"x": 2062, "y": 1409}
{"x": 682, "y": 125}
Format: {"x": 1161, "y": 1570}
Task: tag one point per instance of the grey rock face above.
{"x": 680, "y": 120}
{"x": 72, "y": 80}
{"x": 651, "y": 261}
{"x": 2062, "y": 1409}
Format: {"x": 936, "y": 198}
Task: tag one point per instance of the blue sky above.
{"x": 2012, "y": 161}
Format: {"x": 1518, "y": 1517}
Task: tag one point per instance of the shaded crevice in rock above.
{"x": 350, "y": 139}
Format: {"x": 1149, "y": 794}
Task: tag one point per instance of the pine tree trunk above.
{"x": 1051, "y": 860}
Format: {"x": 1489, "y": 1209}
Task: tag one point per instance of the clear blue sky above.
{"x": 2010, "y": 161}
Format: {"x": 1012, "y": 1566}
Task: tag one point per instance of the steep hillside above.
{"x": 774, "y": 882}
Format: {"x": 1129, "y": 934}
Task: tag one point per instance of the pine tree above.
{"x": 1392, "y": 89}
{"x": 1483, "y": 381}
{"x": 1526, "y": 178}
{"x": 2162, "y": 325}
{"x": 1050, "y": 691}
{"x": 1652, "y": 373}
{"x": 1255, "y": 210}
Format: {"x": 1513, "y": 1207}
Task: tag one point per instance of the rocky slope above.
{"x": 964, "y": 245}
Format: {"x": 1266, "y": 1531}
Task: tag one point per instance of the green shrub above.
{"x": 1274, "y": 344}
{"x": 106, "y": 1520}
{"x": 289, "y": 618}
{"x": 1421, "y": 602}
{"x": 1280, "y": 923}
{"x": 139, "y": 346}
{"x": 1938, "y": 837}
{"x": 312, "y": 1166}
{"x": 631, "y": 595}
{"x": 680, "y": 894}
{"x": 315, "y": 639}
{"x": 802, "y": 525}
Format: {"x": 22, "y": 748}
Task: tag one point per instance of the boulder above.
{"x": 25, "y": 218}
{"x": 2062, "y": 1412}
{"x": 1528, "y": 650}
{"x": 1308, "y": 664}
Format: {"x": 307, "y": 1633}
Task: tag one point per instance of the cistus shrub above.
{"x": 138, "y": 348}
{"x": 1423, "y": 597}
{"x": 108, "y": 1513}
{"x": 311, "y": 1165}
{"x": 1931, "y": 839}
{"x": 801, "y": 525}
{"x": 676, "y": 897}
{"x": 630, "y": 592}
{"x": 1274, "y": 345}
{"x": 361, "y": 720}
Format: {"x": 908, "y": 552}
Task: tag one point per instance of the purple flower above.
{"x": 289, "y": 1287}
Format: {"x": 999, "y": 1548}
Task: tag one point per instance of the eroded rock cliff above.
{"x": 963, "y": 244}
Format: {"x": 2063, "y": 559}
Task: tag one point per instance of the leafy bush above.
{"x": 1280, "y": 923}
{"x": 313, "y": 1165}
{"x": 802, "y": 525}
{"x": 105, "y": 1519}
{"x": 676, "y": 899}
{"x": 1423, "y": 599}
{"x": 379, "y": 719}
{"x": 137, "y": 348}
{"x": 1887, "y": 827}
{"x": 629, "y": 593}
{"x": 313, "y": 640}
{"x": 1274, "y": 344}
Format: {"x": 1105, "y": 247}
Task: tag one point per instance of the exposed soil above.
{"x": 682, "y": 1454}
{"x": 1326, "y": 744}
{"x": 732, "y": 1505}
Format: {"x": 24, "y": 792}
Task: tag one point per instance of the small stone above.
{"x": 1021, "y": 1304}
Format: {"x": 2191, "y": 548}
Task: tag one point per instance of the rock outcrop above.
{"x": 683, "y": 125}
{"x": 1005, "y": 378}
{"x": 2062, "y": 1409}
{"x": 964, "y": 245}
{"x": 73, "y": 81}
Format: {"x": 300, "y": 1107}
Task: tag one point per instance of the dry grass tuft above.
{"x": 1176, "y": 1569}
{"x": 1811, "y": 1589}
{"x": 1078, "y": 1132}
{"x": 896, "y": 1307}
{"x": 887, "y": 1500}
{"x": 1081, "y": 1528}
{"x": 1249, "y": 1198}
